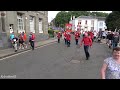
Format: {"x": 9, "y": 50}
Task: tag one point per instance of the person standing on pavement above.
{"x": 86, "y": 40}
{"x": 14, "y": 41}
{"x": 77, "y": 35}
{"x": 111, "y": 66}
{"x": 11, "y": 38}
{"x": 32, "y": 40}
{"x": 21, "y": 41}
{"x": 24, "y": 39}
{"x": 110, "y": 37}
{"x": 107, "y": 38}
{"x": 58, "y": 36}
{"x": 115, "y": 39}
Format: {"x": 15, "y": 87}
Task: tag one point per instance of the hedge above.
{"x": 51, "y": 32}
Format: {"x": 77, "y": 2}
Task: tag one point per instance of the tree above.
{"x": 61, "y": 18}
{"x": 113, "y": 20}
{"x": 64, "y": 17}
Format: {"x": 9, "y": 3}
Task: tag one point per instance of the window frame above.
{"x": 20, "y": 22}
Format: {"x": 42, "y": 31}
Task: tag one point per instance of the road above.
{"x": 55, "y": 61}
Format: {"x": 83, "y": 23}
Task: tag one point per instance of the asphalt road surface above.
{"x": 55, "y": 61}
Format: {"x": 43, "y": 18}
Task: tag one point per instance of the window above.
{"x": 100, "y": 29}
{"x": 79, "y": 22}
{"x": 101, "y": 24}
{"x": 86, "y": 22}
{"x": 20, "y": 23}
{"x": 40, "y": 25}
{"x": 92, "y": 22}
{"x": 32, "y": 24}
{"x": 92, "y": 28}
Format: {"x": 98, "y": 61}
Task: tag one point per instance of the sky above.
{"x": 52, "y": 14}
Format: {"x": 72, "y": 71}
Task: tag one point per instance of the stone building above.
{"x": 19, "y": 21}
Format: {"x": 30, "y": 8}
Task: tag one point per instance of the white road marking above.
{"x": 26, "y": 51}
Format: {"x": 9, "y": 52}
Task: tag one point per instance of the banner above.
{"x": 68, "y": 27}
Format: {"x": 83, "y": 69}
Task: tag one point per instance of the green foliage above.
{"x": 113, "y": 20}
{"x": 64, "y": 17}
{"x": 56, "y": 31}
{"x": 99, "y": 14}
{"x": 61, "y": 18}
{"x": 51, "y": 32}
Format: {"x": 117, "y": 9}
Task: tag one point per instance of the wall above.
{"x": 95, "y": 25}
{"x": 88, "y": 23}
{"x": 76, "y": 23}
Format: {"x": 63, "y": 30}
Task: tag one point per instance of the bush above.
{"x": 51, "y": 32}
{"x": 56, "y": 31}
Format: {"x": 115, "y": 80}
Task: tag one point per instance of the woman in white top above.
{"x": 111, "y": 66}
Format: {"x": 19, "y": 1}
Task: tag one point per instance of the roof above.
{"x": 101, "y": 18}
{"x": 86, "y": 17}
{"x": 92, "y": 17}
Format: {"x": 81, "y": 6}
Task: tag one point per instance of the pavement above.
{"x": 10, "y": 51}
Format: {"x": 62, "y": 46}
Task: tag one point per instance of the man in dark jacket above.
{"x": 110, "y": 39}
{"x": 115, "y": 39}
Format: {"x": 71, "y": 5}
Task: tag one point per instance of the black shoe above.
{"x": 110, "y": 47}
{"x": 15, "y": 50}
